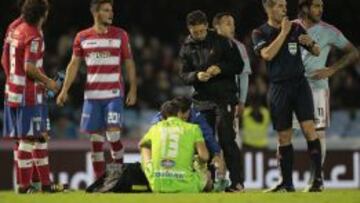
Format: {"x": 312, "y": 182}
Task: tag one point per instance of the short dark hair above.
{"x": 183, "y": 103}
{"x": 219, "y": 16}
{"x": 33, "y": 10}
{"x": 304, "y": 4}
{"x": 20, "y": 4}
{"x": 168, "y": 109}
{"x": 196, "y": 17}
{"x": 95, "y": 4}
{"x": 268, "y": 3}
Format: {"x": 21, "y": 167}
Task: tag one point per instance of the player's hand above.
{"x": 62, "y": 98}
{"x": 52, "y": 85}
{"x": 306, "y": 40}
{"x": 131, "y": 98}
{"x": 286, "y": 25}
{"x": 239, "y": 110}
{"x": 203, "y": 76}
{"x": 219, "y": 164}
{"x": 46, "y": 136}
{"x": 214, "y": 70}
{"x": 322, "y": 73}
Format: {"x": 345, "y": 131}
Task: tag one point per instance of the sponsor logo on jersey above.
{"x": 168, "y": 163}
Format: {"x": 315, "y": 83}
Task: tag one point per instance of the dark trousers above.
{"x": 221, "y": 119}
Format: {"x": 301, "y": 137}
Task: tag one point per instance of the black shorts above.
{"x": 288, "y": 97}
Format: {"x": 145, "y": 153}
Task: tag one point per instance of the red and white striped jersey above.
{"x": 103, "y": 54}
{"x": 5, "y": 54}
{"x": 5, "y": 57}
{"x": 26, "y": 45}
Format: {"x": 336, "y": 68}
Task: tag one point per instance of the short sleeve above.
{"x": 245, "y": 57}
{"x": 198, "y": 136}
{"x": 259, "y": 41}
{"x": 33, "y": 49}
{"x": 125, "y": 47}
{"x": 77, "y": 49}
{"x": 337, "y": 38}
{"x": 146, "y": 140}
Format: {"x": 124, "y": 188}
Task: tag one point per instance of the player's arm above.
{"x": 34, "y": 73}
{"x": 31, "y": 57}
{"x": 202, "y": 152}
{"x": 127, "y": 57}
{"x": 187, "y": 73}
{"x": 200, "y": 146}
{"x": 269, "y": 52}
{"x": 226, "y": 59}
{"x": 351, "y": 55}
{"x": 71, "y": 70}
{"x": 145, "y": 153}
{"x": 131, "y": 75}
{"x": 309, "y": 44}
{"x": 71, "y": 73}
{"x": 145, "y": 147}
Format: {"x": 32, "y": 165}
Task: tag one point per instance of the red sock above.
{"x": 25, "y": 164}
{"x": 41, "y": 160}
{"x": 35, "y": 175}
{"x": 117, "y": 149}
{"x": 97, "y": 154}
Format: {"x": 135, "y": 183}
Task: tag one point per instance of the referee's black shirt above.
{"x": 287, "y": 64}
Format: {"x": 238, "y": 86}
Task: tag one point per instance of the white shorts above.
{"x": 321, "y": 99}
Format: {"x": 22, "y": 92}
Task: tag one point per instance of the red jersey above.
{"x": 103, "y": 54}
{"x": 5, "y": 57}
{"x": 26, "y": 45}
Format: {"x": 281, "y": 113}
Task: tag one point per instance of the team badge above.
{"x": 34, "y": 47}
{"x": 292, "y": 48}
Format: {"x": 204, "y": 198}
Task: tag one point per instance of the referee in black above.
{"x": 278, "y": 42}
{"x": 210, "y": 63}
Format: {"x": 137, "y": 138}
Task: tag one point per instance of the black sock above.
{"x": 286, "y": 164}
{"x": 314, "y": 149}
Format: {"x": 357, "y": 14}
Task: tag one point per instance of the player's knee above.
{"x": 97, "y": 138}
{"x": 113, "y": 136}
{"x": 26, "y": 145}
{"x": 113, "y": 129}
{"x": 310, "y": 134}
{"x": 321, "y": 133}
{"x": 284, "y": 138}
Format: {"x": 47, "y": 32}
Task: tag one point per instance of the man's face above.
{"x": 278, "y": 11}
{"x": 316, "y": 10}
{"x": 198, "y": 32}
{"x": 105, "y": 14}
{"x": 226, "y": 26}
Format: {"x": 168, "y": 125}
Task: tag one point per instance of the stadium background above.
{"x": 156, "y": 29}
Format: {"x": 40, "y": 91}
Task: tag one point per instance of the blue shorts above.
{"x": 99, "y": 115}
{"x": 26, "y": 121}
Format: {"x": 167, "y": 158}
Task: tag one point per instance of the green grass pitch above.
{"x": 328, "y": 196}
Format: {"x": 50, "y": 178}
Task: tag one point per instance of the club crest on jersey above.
{"x": 34, "y": 47}
{"x": 292, "y": 48}
{"x": 168, "y": 163}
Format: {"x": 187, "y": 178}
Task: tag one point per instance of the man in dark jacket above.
{"x": 210, "y": 63}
